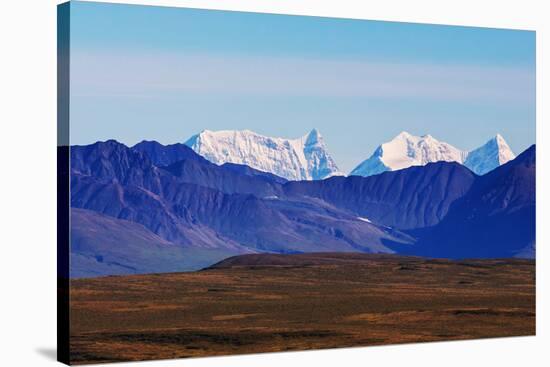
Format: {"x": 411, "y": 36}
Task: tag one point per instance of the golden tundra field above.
{"x": 269, "y": 303}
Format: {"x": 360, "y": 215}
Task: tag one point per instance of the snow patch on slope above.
{"x": 363, "y": 219}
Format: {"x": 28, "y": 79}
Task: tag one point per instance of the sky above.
{"x": 160, "y": 73}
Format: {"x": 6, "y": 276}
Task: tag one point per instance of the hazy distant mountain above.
{"x": 406, "y": 150}
{"x": 305, "y": 158}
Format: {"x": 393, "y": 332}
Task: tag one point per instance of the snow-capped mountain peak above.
{"x": 304, "y": 158}
{"x": 489, "y": 156}
{"x": 406, "y": 150}
{"x": 403, "y": 135}
{"x": 313, "y": 137}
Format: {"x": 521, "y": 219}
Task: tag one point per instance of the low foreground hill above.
{"x": 303, "y": 260}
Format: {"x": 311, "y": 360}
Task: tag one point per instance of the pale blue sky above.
{"x": 141, "y": 72}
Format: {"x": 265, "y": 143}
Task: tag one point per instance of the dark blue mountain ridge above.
{"x": 227, "y": 179}
{"x": 111, "y": 161}
{"x": 165, "y": 155}
{"x": 243, "y": 169}
{"x": 496, "y": 218}
{"x": 411, "y": 198}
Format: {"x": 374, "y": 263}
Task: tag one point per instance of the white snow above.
{"x": 489, "y": 156}
{"x": 364, "y": 219}
{"x": 305, "y": 158}
{"x": 406, "y": 150}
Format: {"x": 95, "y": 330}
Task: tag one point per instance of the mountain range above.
{"x": 157, "y": 208}
{"x": 204, "y": 209}
{"x": 307, "y": 158}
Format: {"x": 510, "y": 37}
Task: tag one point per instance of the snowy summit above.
{"x": 489, "y": 156}
{"x": 305, "y": 158}
{"x": 406, "y": 150}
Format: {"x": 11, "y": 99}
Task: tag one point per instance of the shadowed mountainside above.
{"x": 411, "y": 198}
{"x": 496, "y": 218}
{"x": 105, "y": 245}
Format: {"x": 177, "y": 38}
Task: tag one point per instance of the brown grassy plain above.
{"x": 269, "y": 303}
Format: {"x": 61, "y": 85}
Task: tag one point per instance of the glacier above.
{"x": 305, "y": 158}
{"x": 407, "y": 150}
